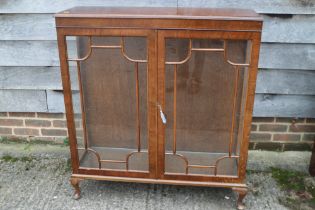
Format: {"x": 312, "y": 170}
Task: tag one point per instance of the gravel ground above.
{"x": 41, "y": 182}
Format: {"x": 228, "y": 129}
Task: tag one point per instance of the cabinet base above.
{"x": 239, "y": 188}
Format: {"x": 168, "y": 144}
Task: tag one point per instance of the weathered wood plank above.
{"x": 289, "y": 28}
{"x": 33, "y": 78}
{"x": 30, "y": 53}
{"x": 42, "y": 27}
{"x": 274, "y": 56}
{"x": 284, "y": 106}
{"x": 275, "y": 81}
{"x": 260, "y": 6}
{"x": 55, "y": 101}
{"x": 30, "y": 78}
{"x": 23, "y": 101}
{"x": 272, "y": 81}
{"x": 287, "y": 56}
{"x": 53, "y": 6}
{"x": 265, "y": 105}
{"x": 27, "y": 27}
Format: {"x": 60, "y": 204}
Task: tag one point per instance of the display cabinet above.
{"x": 159, "y": 95}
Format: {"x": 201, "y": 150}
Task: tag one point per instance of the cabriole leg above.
{"x": 75, "y": 183}
{"x": 242, "y": 191}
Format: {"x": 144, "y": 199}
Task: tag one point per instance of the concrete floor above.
{"x": 42, "y": 183}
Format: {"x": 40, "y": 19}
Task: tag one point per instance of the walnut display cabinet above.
{"x": 159, "y": 95}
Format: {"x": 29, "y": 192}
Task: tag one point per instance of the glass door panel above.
{"x": 204, "y": 99}
{"x": 111, "y": 110}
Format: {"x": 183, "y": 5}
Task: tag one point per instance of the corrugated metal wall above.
{"x": 29, "y": 66}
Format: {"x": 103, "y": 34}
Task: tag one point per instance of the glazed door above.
{"x": 203, "y": 84}
{"x": 112, "y": 113}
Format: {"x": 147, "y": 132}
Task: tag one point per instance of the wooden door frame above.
{"x": 252, "y": 36}
{"x": 62, "y": 33}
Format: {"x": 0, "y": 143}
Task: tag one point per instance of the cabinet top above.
{"x": 159, "y": 12}
{"x": 160, "y": 18}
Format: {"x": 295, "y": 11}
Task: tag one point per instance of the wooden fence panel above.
{"x": 53, "y": 6}
{"x": 33, "y": 78}
{"x": 42, "y": 27}
{"x": 260, "y": 6}
{"x": 27, "y": 27}
{"x": 275, "y": 81}
{"x": 289, "y": 28}
{"x": 274, "y": 56}
{"x": 287, "y": 56}
{"x": 55, "y": 101}
{"x": 23, "y": 101}
{"x": 284, "y": 106}
{"x": 29, "y": 64}
{"x": 266, "y": 105}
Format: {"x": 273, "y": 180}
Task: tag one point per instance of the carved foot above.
{"x": 75, "y": 183}
{"x": 241, "y": 195}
